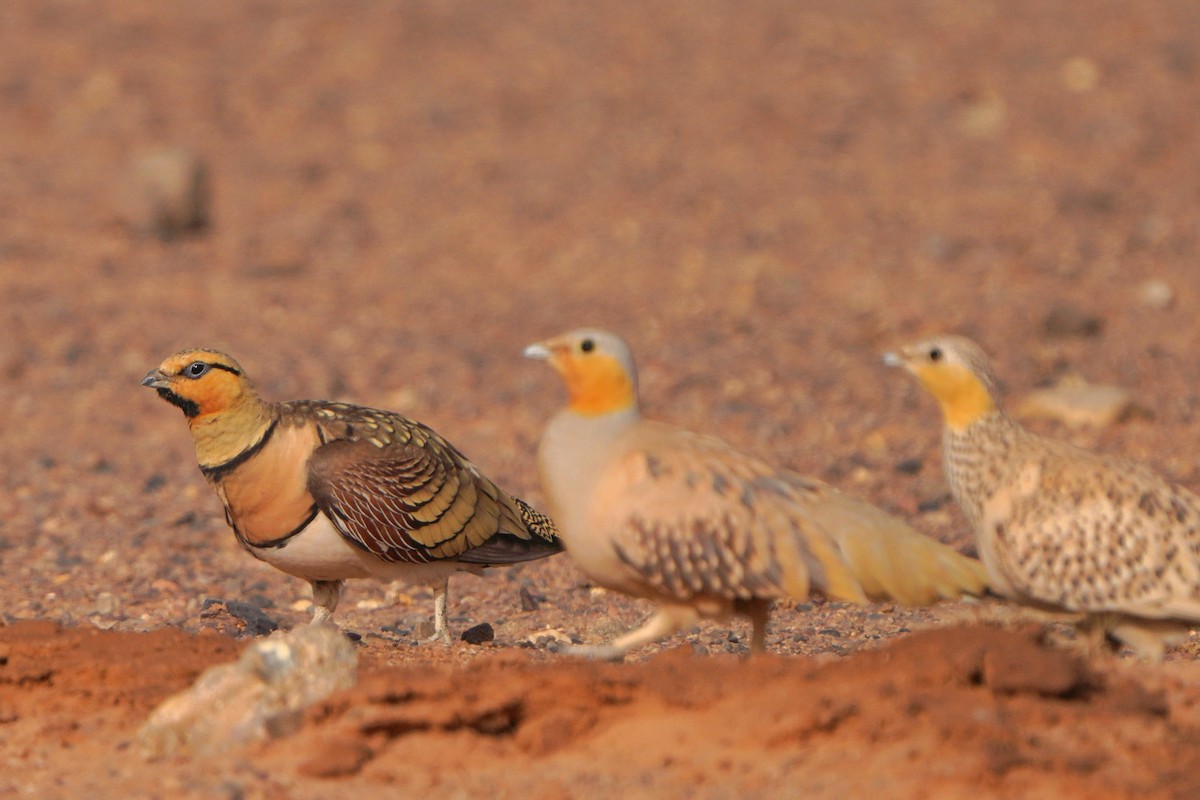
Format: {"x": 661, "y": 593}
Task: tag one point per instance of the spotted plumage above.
{"x": 330, "y": 491}
{"x": 1057, "y": 526}
{"x": 703, "y": 530}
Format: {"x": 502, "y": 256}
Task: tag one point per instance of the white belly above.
{"x": 320, "y": 553}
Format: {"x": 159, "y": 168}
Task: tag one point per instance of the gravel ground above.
{"x": 762, "y": 197}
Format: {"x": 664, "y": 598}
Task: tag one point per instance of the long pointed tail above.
{"x": 890, "y": 560}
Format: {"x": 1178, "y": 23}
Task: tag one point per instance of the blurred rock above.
{"x": 1077, "y": 403}
{"x": 548, "y": 638}
{"x": 336, "y": 758}
{"x": 1080, "y": 74}
{"x": 255, "y": 622}
{"x": 983, "y": 114}
{"x": 530, "y": 600}
{"x": 262, "y": 695}
{"x": 1156, "y": 294}
{"x": 479, "y": 634}
{"x": 165, "y": 193}
{"x": 1067, "y": 320}
{"x": 248, "y": 618}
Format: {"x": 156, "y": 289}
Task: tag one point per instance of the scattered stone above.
{"x": 107, "y": 605}
{"x": 909, "y": 466}
{"x": 479, "y": 634}
{"x": 1068, "y": 320}
{"x": 606, "y": 628}
{"x": 255, "y": 622}
{"x": 1080, "y": 74}
{"x": 530, "y": 601}
{"x": 336, "y": 758}
{"x": 166, "y": 193}
{"x": 398, "y": 629}
{"x": 423, "y": 630}
{"x": 932, "y": 503}
{"x": 549, "y": 639}
{"x": 1156, "y": 294}
{"x": 248, "y": 619}
{"x": 983, "y": 115}
{"x": 1076, "y": 403}
{"x": 262, "y": 695}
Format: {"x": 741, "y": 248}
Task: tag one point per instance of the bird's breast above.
{"x": 574, "y": 454}
{"x": 267, "y": 496}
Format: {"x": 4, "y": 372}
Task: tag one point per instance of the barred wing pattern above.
{"x": 397, "y": 489}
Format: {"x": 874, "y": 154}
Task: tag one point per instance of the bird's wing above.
{"x": 400, "y": 491}
{"x": 689, "y": 516}
{"x": 1099, "y": 534}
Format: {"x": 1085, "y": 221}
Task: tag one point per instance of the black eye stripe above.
{"x": 198, "y": 369}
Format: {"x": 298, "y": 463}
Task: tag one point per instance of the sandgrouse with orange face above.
{"x": 1058, "y": 527}
{"x": 330, "y": 491}
{"x": 701, "y": 529}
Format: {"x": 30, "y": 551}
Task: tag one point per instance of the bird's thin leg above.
{"x": 759, "y": 611}
{"x": 441, "y": 625}
{"x": 325, "y": 599}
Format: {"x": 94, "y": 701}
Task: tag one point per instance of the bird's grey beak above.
{"x": 155, "y": 379}
{"x": 893, "y": 359}
{"x": 538, "y": 352}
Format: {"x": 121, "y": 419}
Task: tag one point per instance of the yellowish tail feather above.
{"x": 891, "y": 561}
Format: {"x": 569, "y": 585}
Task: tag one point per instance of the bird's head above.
{"x": 596, "y": 367}
{"x": 955, "y": 371}
{"x": 201, "y": 382}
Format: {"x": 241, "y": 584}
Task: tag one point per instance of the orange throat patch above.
{"x": 962, "y": 395}
{"x": 597, "y": 385}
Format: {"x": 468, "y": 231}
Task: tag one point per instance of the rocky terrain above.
{"x": 384, "y": 202}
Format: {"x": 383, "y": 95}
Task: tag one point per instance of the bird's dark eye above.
{"x": 935, "y": 354}
{"x": 196, "y": 369}
{"x": 587, "y": 345}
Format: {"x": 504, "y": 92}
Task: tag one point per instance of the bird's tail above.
{"x": 536, "y": 522}
{"x": 891, "y": 561}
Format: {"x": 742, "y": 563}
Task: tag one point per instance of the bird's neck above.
{"x": 221, "y": 436}
{"x": 963, "y": 397}
{"x": 574, "y": 451}
{"x": 973, "y": 453}
{"x": 605, "y": 388}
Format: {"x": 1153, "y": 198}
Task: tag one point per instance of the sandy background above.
{"x": 762, "y": 197}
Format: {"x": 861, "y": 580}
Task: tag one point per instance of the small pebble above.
{"x": 1077, "y": 403}
{"x": 479, "y": 634}
{"x": 1156, "y": 294}
{"x": 549, "y": 638}
{"x": 1068, "y": 320}
{"x": 166, "y": 193}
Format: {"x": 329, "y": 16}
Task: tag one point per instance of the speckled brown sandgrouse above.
{"x": 330, "y": 491}
{"x": 703, "y": 530}
{"x": 1059, "y": 527}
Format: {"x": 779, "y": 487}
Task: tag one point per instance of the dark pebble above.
{"x": 480, "y": 634}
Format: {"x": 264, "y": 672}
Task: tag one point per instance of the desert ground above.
{"x": 762, "y": 197}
